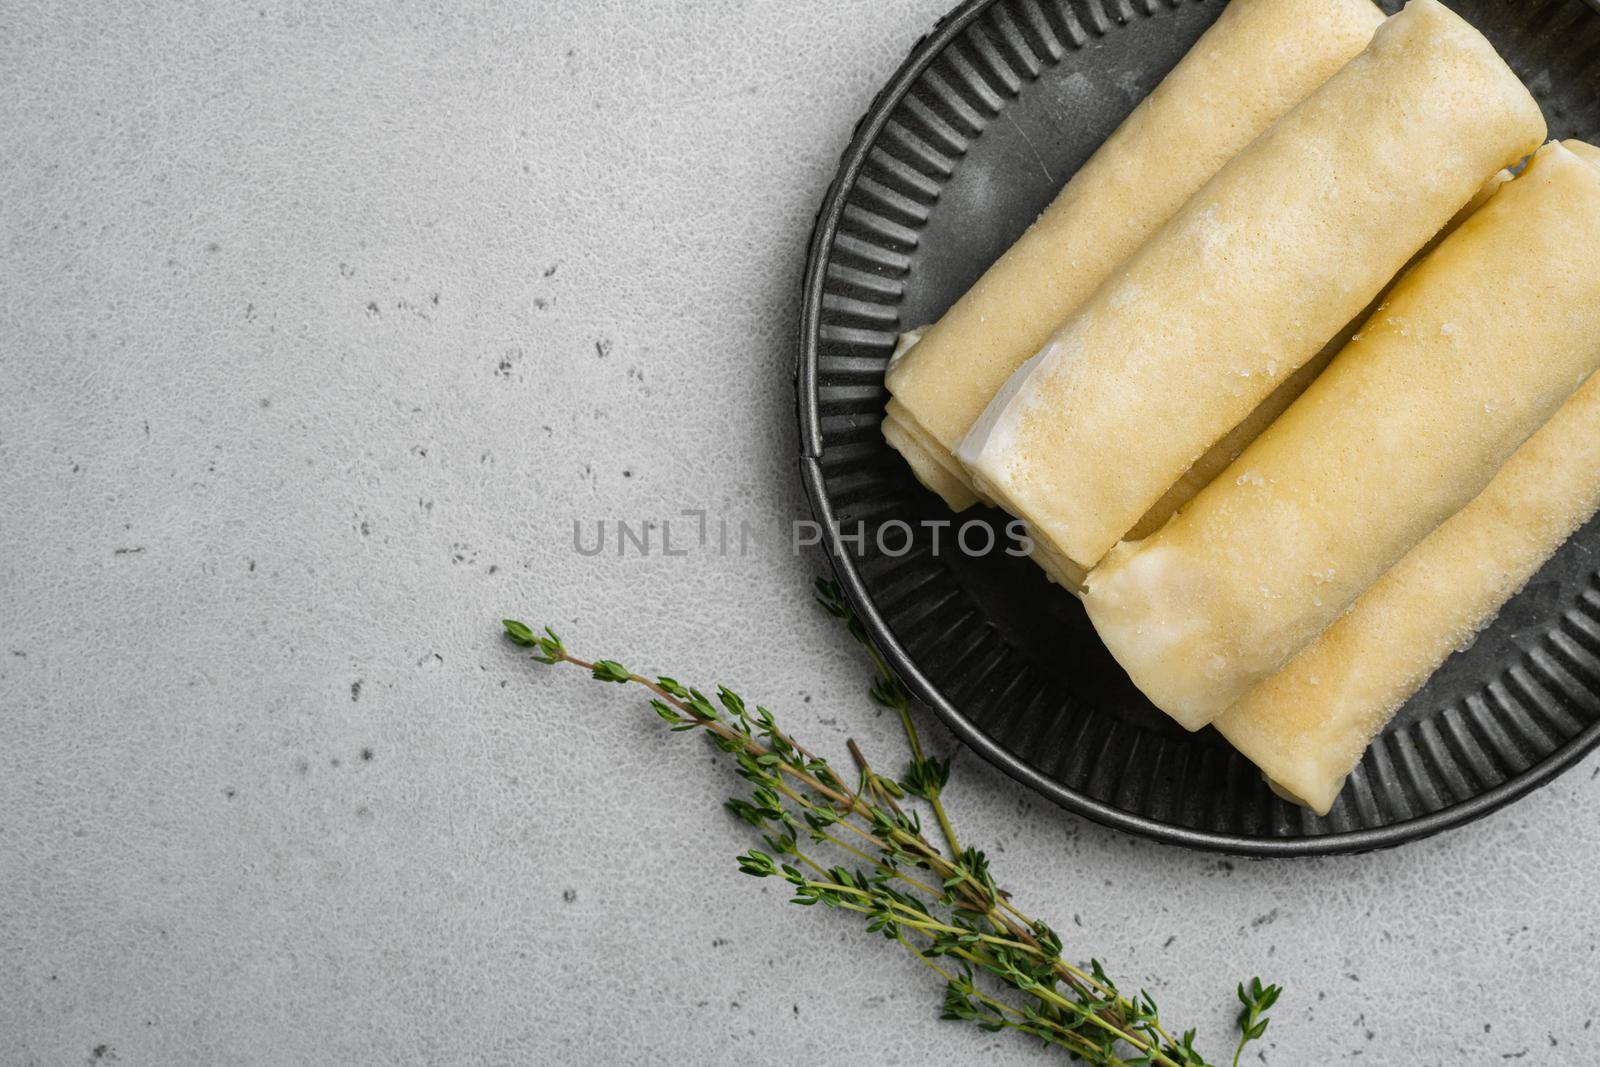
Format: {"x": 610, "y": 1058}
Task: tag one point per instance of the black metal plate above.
{"x": 967, "y": 143}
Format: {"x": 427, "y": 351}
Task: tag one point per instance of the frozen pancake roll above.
{"x": 1257, "y": 61}
{"x": 1307, "y": 726}
{"x": 933, "y": 467}
{"x": 1476, "y": 348}
{"x": 1249, "y": 281}
{"x": 1205, "y": 469}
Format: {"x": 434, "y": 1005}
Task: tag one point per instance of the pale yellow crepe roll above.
{"x": 1205, "y": 469}
{"x": 1066, "y": 573}
{"x": 919, "y": 450}
{"x": 1477, "y": 346}
{"x": 1257, "y": 61}
{"x": 1307, "y": 726}
{"x": 1217, "y": 458}
{"x": 1248, "y": 282}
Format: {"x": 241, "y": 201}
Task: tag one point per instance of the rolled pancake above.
{"x": 934, "y": 467}
{"x": 1070, "y": 575}
{"x": 1476, "y": 348}
{"x": 1258, "y": 60}
{"x": 1307, "y": 726}
{"x": 1285, "y": 246}
{"x": 1217, "y": 458}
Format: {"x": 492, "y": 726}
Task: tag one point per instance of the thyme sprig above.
{"x": 1001, "y": 969}
{"x": 1253, "y": 1018}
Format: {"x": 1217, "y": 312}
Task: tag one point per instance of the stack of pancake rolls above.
{"x": 1291, "y": 382}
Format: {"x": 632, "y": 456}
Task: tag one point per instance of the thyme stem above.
{"x": 959, "y": 911}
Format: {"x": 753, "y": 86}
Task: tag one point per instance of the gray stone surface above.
{"x": 320, "y": 326}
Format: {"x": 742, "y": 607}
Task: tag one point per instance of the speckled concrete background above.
{"x": 320, "y": 326}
